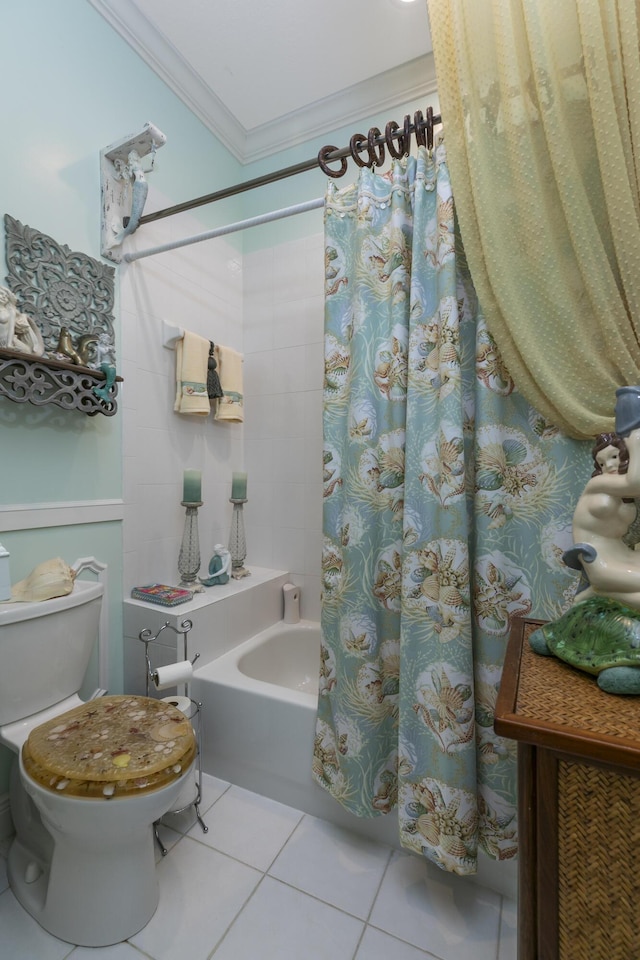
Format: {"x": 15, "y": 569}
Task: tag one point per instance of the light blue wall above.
{"x": 72, "y": 543}
{"x": 71, "y": 87}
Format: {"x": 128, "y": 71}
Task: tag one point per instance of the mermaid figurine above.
{"x": 219, "y": 567}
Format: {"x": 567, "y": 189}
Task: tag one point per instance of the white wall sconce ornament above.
{"x": 124, "y": 187}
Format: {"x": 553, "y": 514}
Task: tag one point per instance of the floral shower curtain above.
{"x": 447, "y": 506}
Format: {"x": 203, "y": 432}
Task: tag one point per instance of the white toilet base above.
{"x": 99, "y": 885}
{"x": 88, "y": 898}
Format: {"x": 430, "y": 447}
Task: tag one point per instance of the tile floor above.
{"x": 268, "y": 882}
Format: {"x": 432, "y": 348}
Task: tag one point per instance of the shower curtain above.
{"x": 447, "y": 507}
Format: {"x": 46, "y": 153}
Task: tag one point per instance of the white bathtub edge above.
{"x": 225, "y": 670}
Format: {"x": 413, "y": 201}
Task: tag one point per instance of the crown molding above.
{"x": 172, "y": 68}
{"x": 409, "y": 81}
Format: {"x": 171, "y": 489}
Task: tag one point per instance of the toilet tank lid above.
{"x": 83, "y": 592}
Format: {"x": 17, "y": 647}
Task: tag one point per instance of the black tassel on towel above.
{"x": 214, "y": 389}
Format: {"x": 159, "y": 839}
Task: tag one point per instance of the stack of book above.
{"x": 161, "y": 593}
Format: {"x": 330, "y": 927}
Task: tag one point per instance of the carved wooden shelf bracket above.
{"x": 25, "y": 378}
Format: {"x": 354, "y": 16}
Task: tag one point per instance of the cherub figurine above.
{"x": 17, "y": 330}
{"x": 602, "y": 518}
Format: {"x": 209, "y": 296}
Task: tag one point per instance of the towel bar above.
{"x": 170, "y": 334}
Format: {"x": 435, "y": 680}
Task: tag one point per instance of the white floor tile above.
{"x": 212, "y": 790}
{"x": 201, "y": 891}
{"x": 508, "y": 930}
{"x": 280, "y": 923}
{"x": 21, "y": 938}
{"x": 247, "y": 826}
{"x": 332, "y": 864}
{"x": 376, "y": 945}
{"x": 436, "y": 911}
{"x": 321, "y": 884}
{"x": 119, "y": 951}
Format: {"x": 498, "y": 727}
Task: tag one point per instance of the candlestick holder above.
{"x": 189, "y": 556}
{"x": 237, "y": 541}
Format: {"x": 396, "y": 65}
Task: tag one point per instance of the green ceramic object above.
{"x": 599, "y": 636}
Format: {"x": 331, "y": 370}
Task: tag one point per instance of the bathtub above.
{"x": 258, "y": 722}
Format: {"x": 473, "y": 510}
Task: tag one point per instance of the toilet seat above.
{"x": 111, "y": 747}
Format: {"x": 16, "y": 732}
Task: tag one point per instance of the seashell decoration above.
{"x": 53, "y": 578}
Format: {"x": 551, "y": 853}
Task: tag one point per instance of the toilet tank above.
{"x": 45, "y": 649}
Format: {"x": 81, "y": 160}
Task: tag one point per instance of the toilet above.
{"x": 90, "y": 778}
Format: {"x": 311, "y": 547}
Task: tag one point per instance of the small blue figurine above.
{"x": 219, "y": 567}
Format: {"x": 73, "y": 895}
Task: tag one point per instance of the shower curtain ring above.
{"x": 355, "y": 145}
{"x": 396, "y": 152}
{"x": 324, "y": 156}
{"x": 419, "y": 125}
{"x": 429, "y": 128}
{"x": 408, "y": 129}
{"x": 376, "y": 151}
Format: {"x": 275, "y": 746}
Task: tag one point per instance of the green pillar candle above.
{"x": 239, "y": 486}
{"x": 192, "y": 486}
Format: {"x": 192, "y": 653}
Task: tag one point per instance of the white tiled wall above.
{"x": 269, "y": 304}
{"x": 283, "y": 329}
{"x": 199, "y": 288}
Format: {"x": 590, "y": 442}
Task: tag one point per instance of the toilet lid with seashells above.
{"x": 113, "y": 746}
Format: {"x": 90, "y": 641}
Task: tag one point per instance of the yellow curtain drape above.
{"x": 541, "y": 105}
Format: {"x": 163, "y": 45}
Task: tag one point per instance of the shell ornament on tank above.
{"x": 53, "y": 578}
{"x": 599, "y": 636}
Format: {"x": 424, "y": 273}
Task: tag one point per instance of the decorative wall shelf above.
{"x": 67, "y": 297}
{"x": 25, "y": 378}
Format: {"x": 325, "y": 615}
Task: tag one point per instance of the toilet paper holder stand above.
{"x": 194, "y": 715}
{"x": 147, "y": 637}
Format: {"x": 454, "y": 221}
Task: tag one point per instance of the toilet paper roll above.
{"x": 172, "y": 674}
{"x": 183, "y": 704}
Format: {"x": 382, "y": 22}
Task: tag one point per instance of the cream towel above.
{"x": 192, "y": 354}
{"x": 231, "y": 406}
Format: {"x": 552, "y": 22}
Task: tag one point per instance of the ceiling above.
{"x": 264, "y": 75}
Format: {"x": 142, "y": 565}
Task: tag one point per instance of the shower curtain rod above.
{"x": 373, "y": 144}
{"x": 230, "y": 228}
